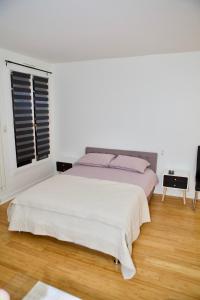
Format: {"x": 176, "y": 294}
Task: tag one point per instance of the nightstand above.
{"x": 178, "y": 180}
{"x": 63, "y": 166}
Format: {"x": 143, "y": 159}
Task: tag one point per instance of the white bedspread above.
{"x": 99, "y": 214}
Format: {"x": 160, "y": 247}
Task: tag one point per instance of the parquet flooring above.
{"x": 166, "y": 255}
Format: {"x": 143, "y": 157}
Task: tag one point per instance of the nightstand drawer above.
{"x": 63, "y": 166}
{"x": 175, "y": 181}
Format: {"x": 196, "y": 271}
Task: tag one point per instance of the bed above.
{"x": 96, "y": 207}
{"x": 146, "y": 181}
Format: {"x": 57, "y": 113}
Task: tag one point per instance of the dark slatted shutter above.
{"x": 41, "y": 111}
{"x": 23, "y": 121}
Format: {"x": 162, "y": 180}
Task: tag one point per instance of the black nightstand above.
{"x": 178, "y": 180}
{"x": 63, "y": 166}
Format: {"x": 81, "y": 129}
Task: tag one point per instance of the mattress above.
{"x": 146, "y": 181}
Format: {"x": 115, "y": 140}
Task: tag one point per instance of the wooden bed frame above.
{"x": 151, "y": 157}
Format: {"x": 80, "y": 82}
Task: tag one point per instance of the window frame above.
{"x": 35, "y": 162}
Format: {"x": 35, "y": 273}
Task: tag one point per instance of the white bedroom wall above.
{"x": 149, "y": 103}
{"x": 13, "y": 179}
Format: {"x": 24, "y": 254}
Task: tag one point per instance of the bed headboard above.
{"x": 151, "y": 157}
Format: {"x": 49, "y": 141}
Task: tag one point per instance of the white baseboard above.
{"x": 10, "y": 196}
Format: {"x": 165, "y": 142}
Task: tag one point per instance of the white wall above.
{"x": 149, "y": 103}
{"x": 13, "y": 179}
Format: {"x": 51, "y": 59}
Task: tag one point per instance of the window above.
{"x": 41, "y": 113}
{"x": 30, "y": 99}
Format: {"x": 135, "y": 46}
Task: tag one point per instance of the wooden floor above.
{"x": 166, "y": 255}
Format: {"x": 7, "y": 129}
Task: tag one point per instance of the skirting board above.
{"x": 13, "y": 195}
{"x": 155, "y": 195}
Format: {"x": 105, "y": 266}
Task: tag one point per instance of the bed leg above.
{"x": 116, "y": 261}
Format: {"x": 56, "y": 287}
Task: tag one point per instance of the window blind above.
{"x": 41, "y": 114}
{"x": 23, "y": 117}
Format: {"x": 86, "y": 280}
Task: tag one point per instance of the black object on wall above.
{"x": 23, "y": 120}
{"x": 26, "y": 66}
{"x": 197, "y": 188}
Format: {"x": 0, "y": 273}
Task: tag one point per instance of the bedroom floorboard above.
{"x": 166, "y": 255}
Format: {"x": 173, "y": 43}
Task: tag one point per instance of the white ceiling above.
{"x": 69, "y": 30}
